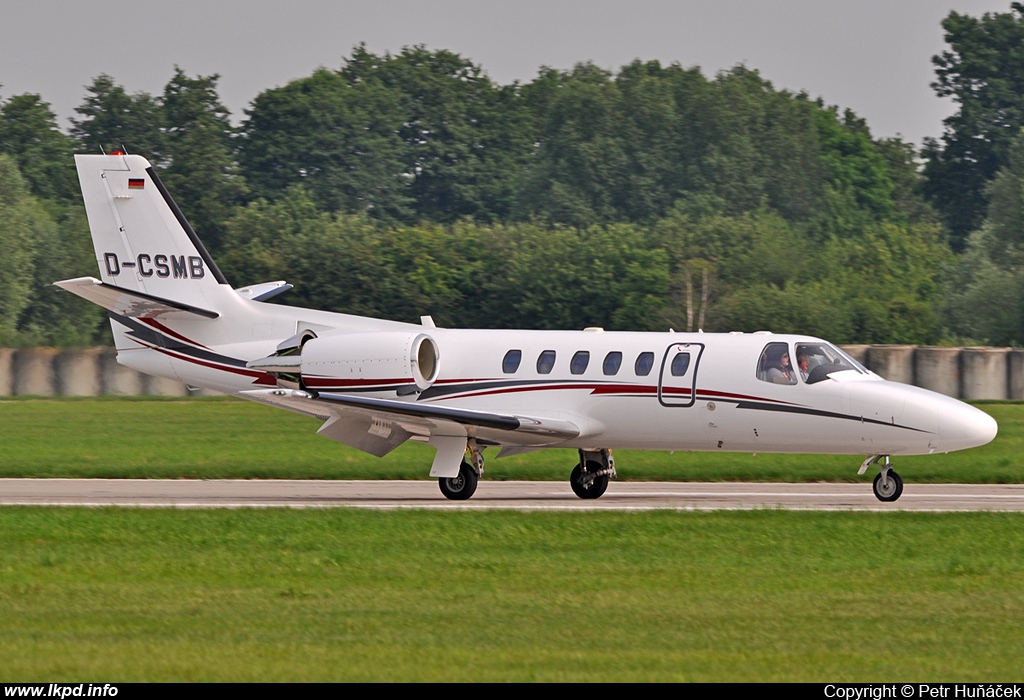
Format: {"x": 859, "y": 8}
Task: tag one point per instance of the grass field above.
{"x": 229, "y": 438}
{"x": 132, "y": 595}
{"x": 264, "y": 595}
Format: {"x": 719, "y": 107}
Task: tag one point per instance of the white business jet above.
{"x": 376, "y": 383}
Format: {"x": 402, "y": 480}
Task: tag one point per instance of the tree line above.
{"x": 644, "y": 198}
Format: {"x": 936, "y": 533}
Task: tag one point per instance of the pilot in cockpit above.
{"x": 802, "y": 363}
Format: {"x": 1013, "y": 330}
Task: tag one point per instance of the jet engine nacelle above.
{"x": 337, "y": 362}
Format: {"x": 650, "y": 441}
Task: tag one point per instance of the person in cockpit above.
{"x": 802, "y": 363}
{"x": 782, "y": 372}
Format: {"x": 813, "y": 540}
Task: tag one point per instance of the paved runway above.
{"x": 518, "y": 495}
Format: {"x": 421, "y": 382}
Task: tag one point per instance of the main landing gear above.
{"x": 888, "y": 485}
{"x": 589, "y": 478}
{"x": 463, "y": 486}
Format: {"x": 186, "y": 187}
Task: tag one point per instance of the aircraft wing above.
{"x": 378, "y": 426}
{"x": 128, "y": 302}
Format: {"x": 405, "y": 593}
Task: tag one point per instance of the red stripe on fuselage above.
{"x": 260, "y": 377}
{"x": 617, "y": 389}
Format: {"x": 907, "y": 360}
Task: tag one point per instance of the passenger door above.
{"x": 677, "y": 378}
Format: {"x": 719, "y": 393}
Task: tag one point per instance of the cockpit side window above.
{"x": 816, "y": 361}
{"x": 774, "y": 365}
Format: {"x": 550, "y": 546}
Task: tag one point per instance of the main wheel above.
{"x": 461, "y": 487}
{"x": 888, "y": 491}
{"x": 594, "y": 489}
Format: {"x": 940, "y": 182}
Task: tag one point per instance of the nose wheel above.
{"x": 888, "y": 485}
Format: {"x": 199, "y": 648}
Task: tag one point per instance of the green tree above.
{"x": 339, "y": 141}
{"x": 983, "y": 72}
{"x": 19, "y": 221}
{"x": 347, "y": 263}
{"x": 985, "y": 289}
{"x": 199, "y": 166}
{"x": 111, "y": 119}
{"x": 463, "y": 137}
{"x": 876, "y": 284}
{"x": 1006, "y": 208}
{"x": 37, "y": 252}
{"x": 569, "y": 278}
{"x": 578, "y": 175}
{"x": 29, "y": 135}
{"x": 419, "y": 135}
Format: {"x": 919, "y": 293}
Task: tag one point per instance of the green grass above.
{"x": 350, "y": 595}
{"x": 228, "y": 438}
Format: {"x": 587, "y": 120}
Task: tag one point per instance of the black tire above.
{"x": 890, "y": 493}
{"x": 595, "y": 489}
{"x": 461, "y": 487}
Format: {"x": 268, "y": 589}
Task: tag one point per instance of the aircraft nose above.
{"x": 962, "y": 426}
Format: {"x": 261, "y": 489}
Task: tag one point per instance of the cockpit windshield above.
{"x": 816, "y": 361}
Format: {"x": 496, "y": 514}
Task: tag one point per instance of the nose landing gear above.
{"x": 888, "y": 485}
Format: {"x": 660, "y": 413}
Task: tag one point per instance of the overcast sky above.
{"x": 873, "y": 56}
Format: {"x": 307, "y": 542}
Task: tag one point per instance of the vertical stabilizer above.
{"x": 143, "y": 242}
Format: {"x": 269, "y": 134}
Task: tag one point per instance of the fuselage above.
{"x": 622, "y": 389}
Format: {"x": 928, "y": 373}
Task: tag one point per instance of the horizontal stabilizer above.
{"x": 264, "y": 291}
{"x": 127, "y": 302}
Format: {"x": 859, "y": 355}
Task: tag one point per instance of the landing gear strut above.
{"x": 463, "y": 486}
{"x": 590, "y": 477}
{"x": 888, "y": 485}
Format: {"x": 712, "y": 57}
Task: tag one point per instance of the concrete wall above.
{"x": 985, "y": 374}
{"x": 6, "y": 371}
{"x": 938, "y": 369}
{"x": 32, "y": 372}
{"x": 892, "y": 362}
{"x": 968, "y": 373}
{"x": 1016, "y": 367}
{"x": 76, "y": 372}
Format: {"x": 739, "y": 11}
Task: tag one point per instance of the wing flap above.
{"x": 128, "y": 302}
{"x": 378, "y": 426}
{"x": 366, "y": 433}
{"x": 546, "y": 427}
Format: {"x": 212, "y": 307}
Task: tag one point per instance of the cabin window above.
{"x": 579, "y": 362}
{"x": 612, "y": 362}
{"x": 511, "y": 362}
{"x": 546, "y": 362}
{"x": 680, "y": 363}
{"x": 774, "y": 365}
{"x": 644, "y": 364}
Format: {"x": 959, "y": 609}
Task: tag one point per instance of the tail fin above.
{"x": 143, "y": 242}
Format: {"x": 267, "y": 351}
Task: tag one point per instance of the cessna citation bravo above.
{"x": 376, "y": 383}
